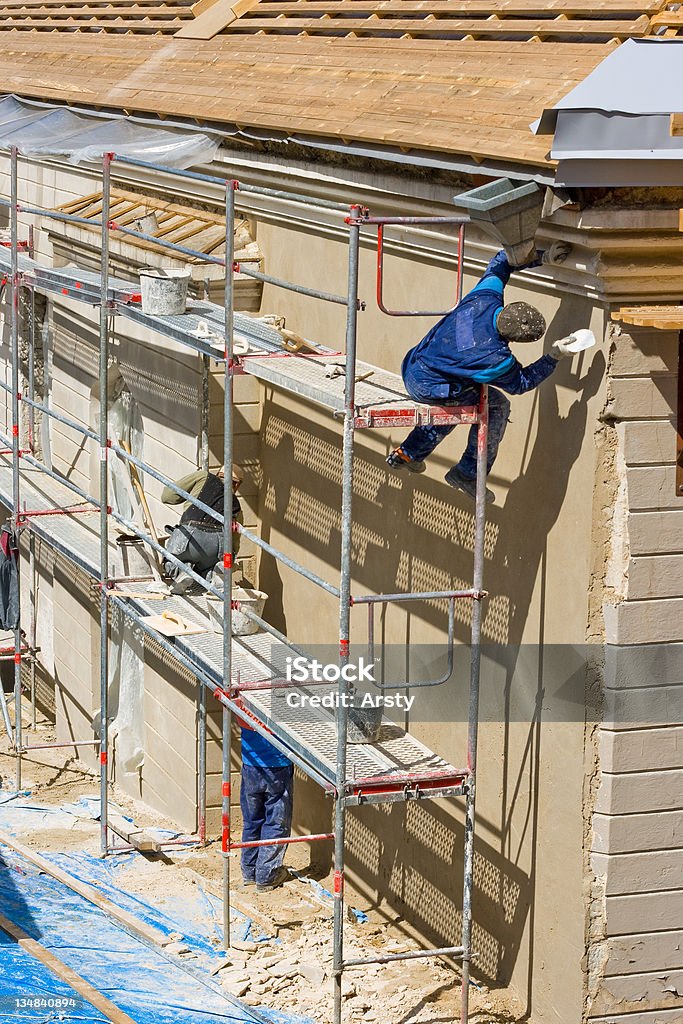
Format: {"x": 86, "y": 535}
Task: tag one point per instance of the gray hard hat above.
{"x": 518, "y": 321}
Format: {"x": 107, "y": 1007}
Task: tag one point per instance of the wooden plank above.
{"x": 663, "y": 318}
{"x": 434, "y": 25}
{"x": 215, "y": 18}
{"x": 97, "y": 26}
{"x": 137, "y": 837}
{"x": 106, "y": 11}
{"x": 677, "y": 130}
{"x": 65, "y": 974}
{"x": 92, "y": 6}
{"x": 464, "y": 8}
{"x": 668, "y": 18}
{"x": 88, "y": 892}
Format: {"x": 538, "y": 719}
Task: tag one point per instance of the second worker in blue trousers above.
{"x": 266, "y": 800}
{"x": 468, "y": 347}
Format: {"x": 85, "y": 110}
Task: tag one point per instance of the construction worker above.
{"x": 198, "y": 539}
{"x": 470, "y": 347}
{"x": 266, "y": 800}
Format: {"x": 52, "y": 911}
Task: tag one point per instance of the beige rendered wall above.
{"x": 416, "y": 534}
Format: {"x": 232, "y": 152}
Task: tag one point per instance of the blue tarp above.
{"x": 150, "y": 986}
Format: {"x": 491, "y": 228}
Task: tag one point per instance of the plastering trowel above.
{"x": 579, "y": 341}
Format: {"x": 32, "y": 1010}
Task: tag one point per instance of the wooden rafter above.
{"x": 663, "y": 318}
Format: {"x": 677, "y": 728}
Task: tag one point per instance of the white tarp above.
{"x": 60, "y": 131}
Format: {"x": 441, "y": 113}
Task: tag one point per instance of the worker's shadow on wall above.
{"x": 277, "y": 501}
{"x": 542, "y": 486}
{"x": 416, "y": 535}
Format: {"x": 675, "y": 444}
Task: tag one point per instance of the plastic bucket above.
{"x": 242, "y": 625}
{"x": 364, "y": 724}
{"x": 164, "y": 291}
{"x": 147, "y": 225}
{"x": 134, "y": 557}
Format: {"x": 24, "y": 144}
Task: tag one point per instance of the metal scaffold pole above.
{"x": 16, "y": 479}
{"x": 104, "y": 501}
{"x": 473, "y": 715}
{"x": 345, "y": 608}
{"x": 230, "y": 188}
{"x": 201, "y": 762}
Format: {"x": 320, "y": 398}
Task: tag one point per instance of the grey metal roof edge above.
{"x": 546, "y": 124}
{"x": 597, "y": 156}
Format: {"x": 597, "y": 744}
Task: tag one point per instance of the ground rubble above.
{"x": 290, "y": 968}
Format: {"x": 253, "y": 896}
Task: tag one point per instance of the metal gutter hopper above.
{"x": 510, "y": 213}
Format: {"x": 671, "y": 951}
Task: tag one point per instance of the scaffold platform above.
{"x": 397, "y": 767}
{"x": 380, "y": 396}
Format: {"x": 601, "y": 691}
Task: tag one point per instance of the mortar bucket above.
{"x": 509, "y": 213}
{"x": 164, "y": 291}
{"x": 242, "y": 625}
{"x": 147, "y": 225}
{"x": 364, "y": 724}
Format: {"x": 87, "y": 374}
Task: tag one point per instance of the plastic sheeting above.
{"x": 61, "y": 131}
{"x": 150, "y": 986}
{"x": 126, "y": 427}
{"x": 146, "y": 985}
{"x": 127, "y": 691}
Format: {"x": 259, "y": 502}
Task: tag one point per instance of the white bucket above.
{"x": 164, "y": 291}
{"x": 147, "y": 225}
{"x": 242, "y": 625}
{"x": 134, "y": 557}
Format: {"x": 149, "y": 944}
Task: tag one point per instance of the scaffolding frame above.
{"x": 115, "y": 299}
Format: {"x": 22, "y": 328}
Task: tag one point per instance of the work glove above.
{"x": 557, "y": 253}
{"x": 560, "y": 350}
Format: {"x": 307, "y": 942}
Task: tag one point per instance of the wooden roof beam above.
{"x": 212, "y": 19}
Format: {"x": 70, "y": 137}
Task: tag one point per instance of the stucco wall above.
{"x": 416, "y": 534}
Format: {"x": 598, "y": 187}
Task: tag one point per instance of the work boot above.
{"x": 248, "y": 881}
{"x": 399, "y": 460}
{"x": 468, "y": 484}
{"x": 280, "y": 876}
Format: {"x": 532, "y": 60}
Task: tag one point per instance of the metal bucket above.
{"x": 164, "y": 291}
{"x": 364, "y": 725}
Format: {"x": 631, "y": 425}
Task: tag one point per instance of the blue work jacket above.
{"x": 465, "y": 345}
{"x": 259, "y": 753}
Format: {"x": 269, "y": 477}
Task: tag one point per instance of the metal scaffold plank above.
{"x": 395, "y": 758}
{"x": 381, "y": 398}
